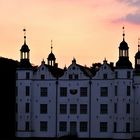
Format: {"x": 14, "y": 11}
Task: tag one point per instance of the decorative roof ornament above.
{"x": 74, "y": 60}
{"x": 105, "y": 61}
{"x": 24, "y": 30}
{"x": 123, "y": 33}
{"x": 43, "y": 61}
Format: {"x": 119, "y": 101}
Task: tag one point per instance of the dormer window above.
{"x": 70, "y": 76}
{"x": 73, "y": 76}
{"x": 76, "y": 76}
{"x": 42, "y": 76}
{"x": 105, "y": 76}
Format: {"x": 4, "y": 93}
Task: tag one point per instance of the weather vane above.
{"x": 123, "y": 32}
{"x": 24, "y": 30}
{"x": 51, "y": 45}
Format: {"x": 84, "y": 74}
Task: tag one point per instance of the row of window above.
{"x": 73, "y": 108}
{"x": 83, "y": 126}
{"x": 76, "y": 76}
{"x": 83, "y": 91}
{"x": 128, "y": 74}
{"x": 63, "y": 108}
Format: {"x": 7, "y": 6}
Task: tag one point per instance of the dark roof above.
{"x": 95, "y": 67}
{"x": 51, "y": 56}
{"x": 124, "y": 63}
{"x": 123, "y": 45}
{"x": 56, "y": 72}
{"x": 137, "y": 54}
{"x": 85, "y": 70}
{"x": 25, "y": 64}
{"x": 24, "y": 48}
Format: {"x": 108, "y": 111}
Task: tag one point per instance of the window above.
{"x": 63, "y": 91}
{"x": 115, "y": 107}
{"x": 83, "y": 126}
{"x": 63, "y": 126}
{"x": 16, "y": 75}
{"x": 43, "y": 91}
{"x": 16, "y": 91}
{"x": 116, "y": 90}
{"x": 103, "y": 108}
{"x": 104, "y": 76}
{"x": 104, "y": 91}
{"x": 116, "y": 74}
{"x": 27, "y": 91}
{"x": 70, "y": 76}
{"x": 115, "y": 127}
{"x": 128, "y": 108}
{"x": 128, "y": 90}
{"x": 83, "y": 91}
{"x": 128, "y": 74}
{"x": 43, "y": 126}
{"x": 128, "y": 127}
{"x": 27, "y": 75}
{"x": 73, "y": 128}
{"x": 83, "y": 108}
{"x": 27, "y": 127}
{"x": 73, "y": 108}
{"x": 76, "y": 76}
{"x": 63, "y": 108}
{"x": 42, "y": 76}
{"x": 27, "y": 107}
{"x": 16, "y": 107}
{"x": 103, "y": 126}
{"x": 43, "y": 108}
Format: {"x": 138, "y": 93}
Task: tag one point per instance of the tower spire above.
{"x": 123, "y": 33}
{"x": 139, "y": 44}
{"x": 24, "y": 30}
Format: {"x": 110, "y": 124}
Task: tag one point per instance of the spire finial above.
{"x": 139, "y": 44}
{"x": 123, "y": 33}
{"x": 105, "y": 61}
{"x": 24, "y": 30}
{"x": 51, "y": 45}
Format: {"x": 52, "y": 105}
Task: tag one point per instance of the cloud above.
{"x": 130, "y": 18}
{"x": 135, "y": 3}
{"x": 133, "y": 18}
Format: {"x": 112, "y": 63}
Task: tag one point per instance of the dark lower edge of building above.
{"x": 69, "y": 137}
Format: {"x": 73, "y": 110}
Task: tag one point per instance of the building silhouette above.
{"x": 102, "y": 101}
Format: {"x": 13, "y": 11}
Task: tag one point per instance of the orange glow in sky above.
{"x": 88, "y": 30}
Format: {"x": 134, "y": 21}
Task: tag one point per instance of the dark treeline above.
{"x": 7, "y": 97}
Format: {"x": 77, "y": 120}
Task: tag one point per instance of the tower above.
{"x": 25, "y": 53}
{"x": 51, "y": 57}
{"x": 137, "y": 58}
{"x": 123, "y": 61}
{"x": 123, "y": 87}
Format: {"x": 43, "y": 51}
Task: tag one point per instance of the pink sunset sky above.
{"x": 89, "y": 30}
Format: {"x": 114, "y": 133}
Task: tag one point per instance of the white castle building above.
{"x": 102, "y": 101}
